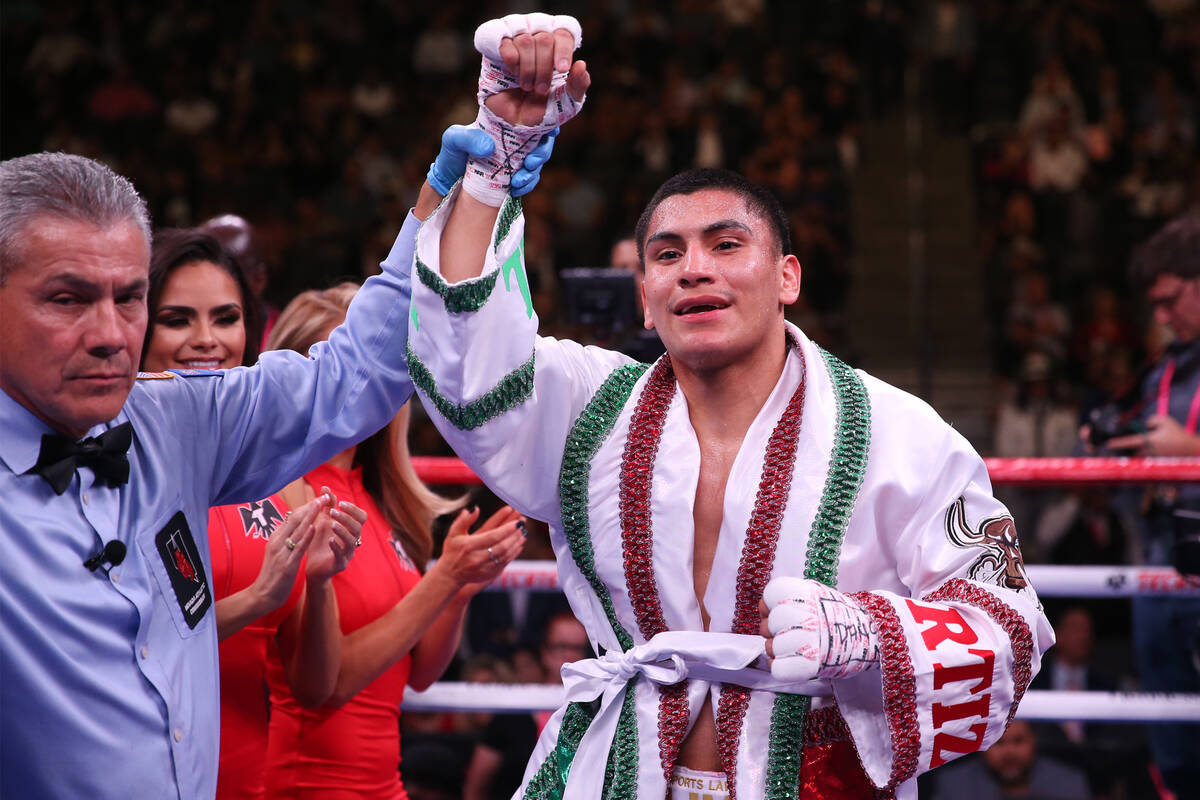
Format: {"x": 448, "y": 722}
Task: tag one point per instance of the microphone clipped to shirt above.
{"x": 112, "y": 554}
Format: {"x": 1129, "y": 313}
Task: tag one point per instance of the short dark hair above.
{"x": 759, "y": 199}
{"x": 178, "y": 247}
{"x": 1174, "y": 250}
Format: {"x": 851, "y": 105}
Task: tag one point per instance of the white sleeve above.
{"x": 503, "y": 397}
{"x": 959, "y": 648}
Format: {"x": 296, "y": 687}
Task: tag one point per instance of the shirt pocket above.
{"x": 177, "y": 559}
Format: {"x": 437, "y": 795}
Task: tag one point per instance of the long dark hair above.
{"x": 178, "y": 247}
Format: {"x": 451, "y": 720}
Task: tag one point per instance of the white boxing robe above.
{"x": 895, "y": 504}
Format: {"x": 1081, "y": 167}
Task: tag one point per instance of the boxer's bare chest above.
{"x": 699, "y": 750}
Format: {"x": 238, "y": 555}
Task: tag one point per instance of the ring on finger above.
{"x": 290, "y": 544}
{"x": 492, "y": 556}
{"x": 358, "y": 541}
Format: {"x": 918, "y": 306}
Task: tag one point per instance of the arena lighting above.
{"x": 1003, "y": 471}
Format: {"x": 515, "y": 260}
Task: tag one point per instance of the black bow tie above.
{"x": 104, "y": 454}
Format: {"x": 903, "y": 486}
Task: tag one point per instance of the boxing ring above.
{"x": 1051, "y": 580}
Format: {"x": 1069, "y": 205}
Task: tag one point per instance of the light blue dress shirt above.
{"x": 106, "y": 690}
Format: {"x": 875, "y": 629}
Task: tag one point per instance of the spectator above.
{"x": 503, "y": 745}
{"x": 372, "y": 96}
{"x": 1012, "y": 768}
{"x": 1036, "y": 423}
{"x": 1069, "y": 668}
{"x": 191, "y": 114}
{"x": 1052, "y": 96}
{"x": 203, "y": 316}
{"x": 1082, "y": 528}
{"x": 1113, "y": 756}
{"x": 399, "y": 624}
{"x": 122, "y": 98}
{"x": 500, "y": 756}
{"x": 1036, "y": 323}
{"x": 1057, "y": 163}
{"x": 246, "y": 132}
{"x": 1166, "y": 271}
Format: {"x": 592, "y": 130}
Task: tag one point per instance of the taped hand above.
{"x": 816, "y": 632}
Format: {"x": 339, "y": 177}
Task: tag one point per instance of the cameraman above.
{"x": 1166, "y": 269}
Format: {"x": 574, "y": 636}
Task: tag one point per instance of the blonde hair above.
{"x": 407, "y": 504}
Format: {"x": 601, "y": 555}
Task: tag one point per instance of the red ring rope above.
{"x": 1004, "y": 471}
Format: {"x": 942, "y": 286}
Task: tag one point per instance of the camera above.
{"x": 1110, "y": 421}
{"x": 599, "y": 297}
{"x": 604, "y": 300}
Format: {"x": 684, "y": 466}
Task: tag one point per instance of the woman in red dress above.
{"x": 400, "y": 625}
{"x": 202, "y": 316}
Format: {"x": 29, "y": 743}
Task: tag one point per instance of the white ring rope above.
{"x": 1050, "y": 580}
{"x": 1145, "y": 707}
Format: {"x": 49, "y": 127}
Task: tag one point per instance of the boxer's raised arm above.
{"x": 527, "y": 88}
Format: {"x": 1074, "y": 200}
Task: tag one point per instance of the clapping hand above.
{"x": 284, "y": 551}
{"x": 338, "y": 532}
{"x": 474, "y": 560}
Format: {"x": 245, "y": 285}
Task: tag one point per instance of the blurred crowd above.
{"x": 317, "y": 121}
{"x": 1084, "y": 119}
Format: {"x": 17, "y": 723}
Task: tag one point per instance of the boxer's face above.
{"x": 72, "y": 319}
{"x": 715, "y": 279}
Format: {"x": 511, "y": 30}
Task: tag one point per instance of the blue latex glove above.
{"x": 524, "y": 179}
{"x": 459, "y": 142}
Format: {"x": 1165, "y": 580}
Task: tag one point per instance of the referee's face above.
{"x": 72, "y": 320}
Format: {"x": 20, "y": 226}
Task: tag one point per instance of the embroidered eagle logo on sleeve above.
{"x": 1001, "y": 563}
{"x": 260, "y": 519}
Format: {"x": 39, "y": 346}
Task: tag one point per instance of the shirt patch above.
{"x": 260, "y": 519}
{"x": 155, "y": 376}
{"x": 197, "y": 373}
{"x": 178, "y": 551}
{"x": 1001, "y": 562}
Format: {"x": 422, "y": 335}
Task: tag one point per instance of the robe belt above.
{"x": 669, "y": 657}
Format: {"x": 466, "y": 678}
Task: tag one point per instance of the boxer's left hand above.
{"x": 815, "y": 632}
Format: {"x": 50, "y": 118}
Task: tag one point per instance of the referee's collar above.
{"x": 21, "y": 441}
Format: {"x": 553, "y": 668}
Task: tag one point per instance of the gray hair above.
{"x": 62, "y": 185}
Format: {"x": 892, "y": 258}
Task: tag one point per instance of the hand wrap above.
{"x": 819, "y": 632}
{"x": 488, "y": 178}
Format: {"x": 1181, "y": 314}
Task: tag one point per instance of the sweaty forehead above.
{"x": 685, "y": 214}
